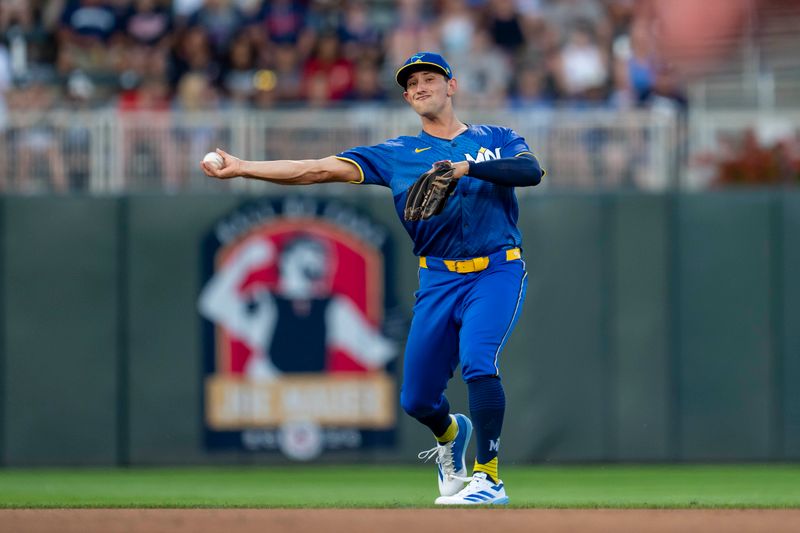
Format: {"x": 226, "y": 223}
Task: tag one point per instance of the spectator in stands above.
{"x": 529, "y": 89}
{"x": 368, "y": 86}
{"x": 221, "y": 20}
{"x": 284, "y": 21}
{"x": 137, "y": 38}
{"x": 327, "y": 71}
{"x": 238, "y": 81}
{"x": 317, "y": 91}
{"x": 634, "y": 72}
{"x": 16, "y": 24}
{"x": 581, "y": 68}
{"x": 562, "y": 15}
{"x": 147, "y": 27}
{"x": 411, "y": 32}
{"x": 456, "y": 29}
{"x": 77, "y": 134}
{"x": 85, "y": 36}
{"x": 360, "y": 38}
{"x": 520, "y": 53}
{"x": 484, "y": 78}
{"x": 505, "y": 25}
{"x": 148, "y": 147}
{"x": 620, "y": 15}
{"x": 250, "y": 8}
{"x": 148, "y": 94}
{"x": 148, "y": 23}
{"x": 37, "y": 150}
{"x": 288, "y": 73}
{"x": 195, "y": 93}
{"x": 531, "y": 9}
{"x": 15, "y": 13}
{"x": 193, "y": 53}
{"x": 641, "y": 77}
{"x": 182, "y": 10}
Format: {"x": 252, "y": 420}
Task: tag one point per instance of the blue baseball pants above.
{"x": 463, "y": 318}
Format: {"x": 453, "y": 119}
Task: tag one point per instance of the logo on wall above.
{"x": 293, "y": 303}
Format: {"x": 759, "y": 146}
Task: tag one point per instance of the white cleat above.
{"x": 451, "y": 468}
{"x": 480, "y": 491}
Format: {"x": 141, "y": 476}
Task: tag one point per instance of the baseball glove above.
{"x": 428, "y": 195}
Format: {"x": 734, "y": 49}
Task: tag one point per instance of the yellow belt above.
{"x": 476, "y": 264}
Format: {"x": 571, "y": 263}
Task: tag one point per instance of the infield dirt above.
{"x": 395, "y": 520}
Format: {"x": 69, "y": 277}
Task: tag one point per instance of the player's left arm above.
{"x": 522, "y": 170}
{"x": 517, "y": 166}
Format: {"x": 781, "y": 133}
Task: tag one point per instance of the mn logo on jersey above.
{"x": 484, "y": 154}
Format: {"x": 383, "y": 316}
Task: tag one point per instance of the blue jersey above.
{"x": 479, "y": 219}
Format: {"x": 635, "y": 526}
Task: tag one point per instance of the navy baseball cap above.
{"x": 422, "y": 61}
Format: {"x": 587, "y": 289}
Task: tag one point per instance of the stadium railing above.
{"x": 107, "y": 151}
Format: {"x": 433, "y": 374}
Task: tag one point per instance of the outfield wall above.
{"x": 656, "y": 328}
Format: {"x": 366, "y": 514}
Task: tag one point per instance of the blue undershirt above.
{"x": 521, "y": 171}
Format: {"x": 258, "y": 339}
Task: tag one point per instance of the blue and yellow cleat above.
{"x": 450, "y": 465}
{"x": 480, "y": 491}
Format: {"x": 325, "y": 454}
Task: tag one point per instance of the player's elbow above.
{"x": 533, "y": 172}
{"x": 530, "y": 178}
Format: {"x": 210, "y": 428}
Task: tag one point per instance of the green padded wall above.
{"x": 656, "y": 327}
{"x": 724, "y": 326}
{"x": 61, "y": 325}
{"x": 164, "y": 351}
{"x": 788, "y": 293}
{"x": 640, "y": 327}
{"x": 556, "y": 413}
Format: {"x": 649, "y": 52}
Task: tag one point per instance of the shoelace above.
{"x": 444, "y": 458}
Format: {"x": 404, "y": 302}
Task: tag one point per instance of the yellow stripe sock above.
{"x": 490, "y": 469}
{"x": 450, "y": 434}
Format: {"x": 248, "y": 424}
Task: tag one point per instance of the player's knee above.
{"x": 415, "y": 405}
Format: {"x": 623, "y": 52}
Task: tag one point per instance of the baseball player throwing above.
{"x": 453, "y": 188}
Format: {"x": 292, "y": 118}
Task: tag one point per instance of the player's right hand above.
{"x": 231, "y": 166}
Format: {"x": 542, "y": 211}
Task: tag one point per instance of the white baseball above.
{"x": 213, "y": 159}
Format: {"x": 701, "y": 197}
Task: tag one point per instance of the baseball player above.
{"x": 453, "y": 188}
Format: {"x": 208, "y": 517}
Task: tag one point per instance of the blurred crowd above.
{"x": 214, "y": 54}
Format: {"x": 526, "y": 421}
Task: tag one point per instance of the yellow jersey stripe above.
{"x": 360, "y": 170}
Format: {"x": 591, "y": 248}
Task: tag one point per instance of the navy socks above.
{"x": 487, "y": 405}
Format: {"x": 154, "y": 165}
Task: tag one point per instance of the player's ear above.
{"x": 406, "y": 97}
{"x": 452, "y": 86}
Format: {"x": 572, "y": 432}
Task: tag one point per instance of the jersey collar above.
{"x": 425, "y": 135}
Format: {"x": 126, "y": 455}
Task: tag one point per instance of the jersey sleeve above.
{"x": 374, "y": 163}
{"x": 514, "y": 145}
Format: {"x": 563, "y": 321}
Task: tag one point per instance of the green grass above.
{"x": 763, "y": 486}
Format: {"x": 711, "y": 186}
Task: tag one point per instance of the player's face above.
{"x": 428, "y": 92}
